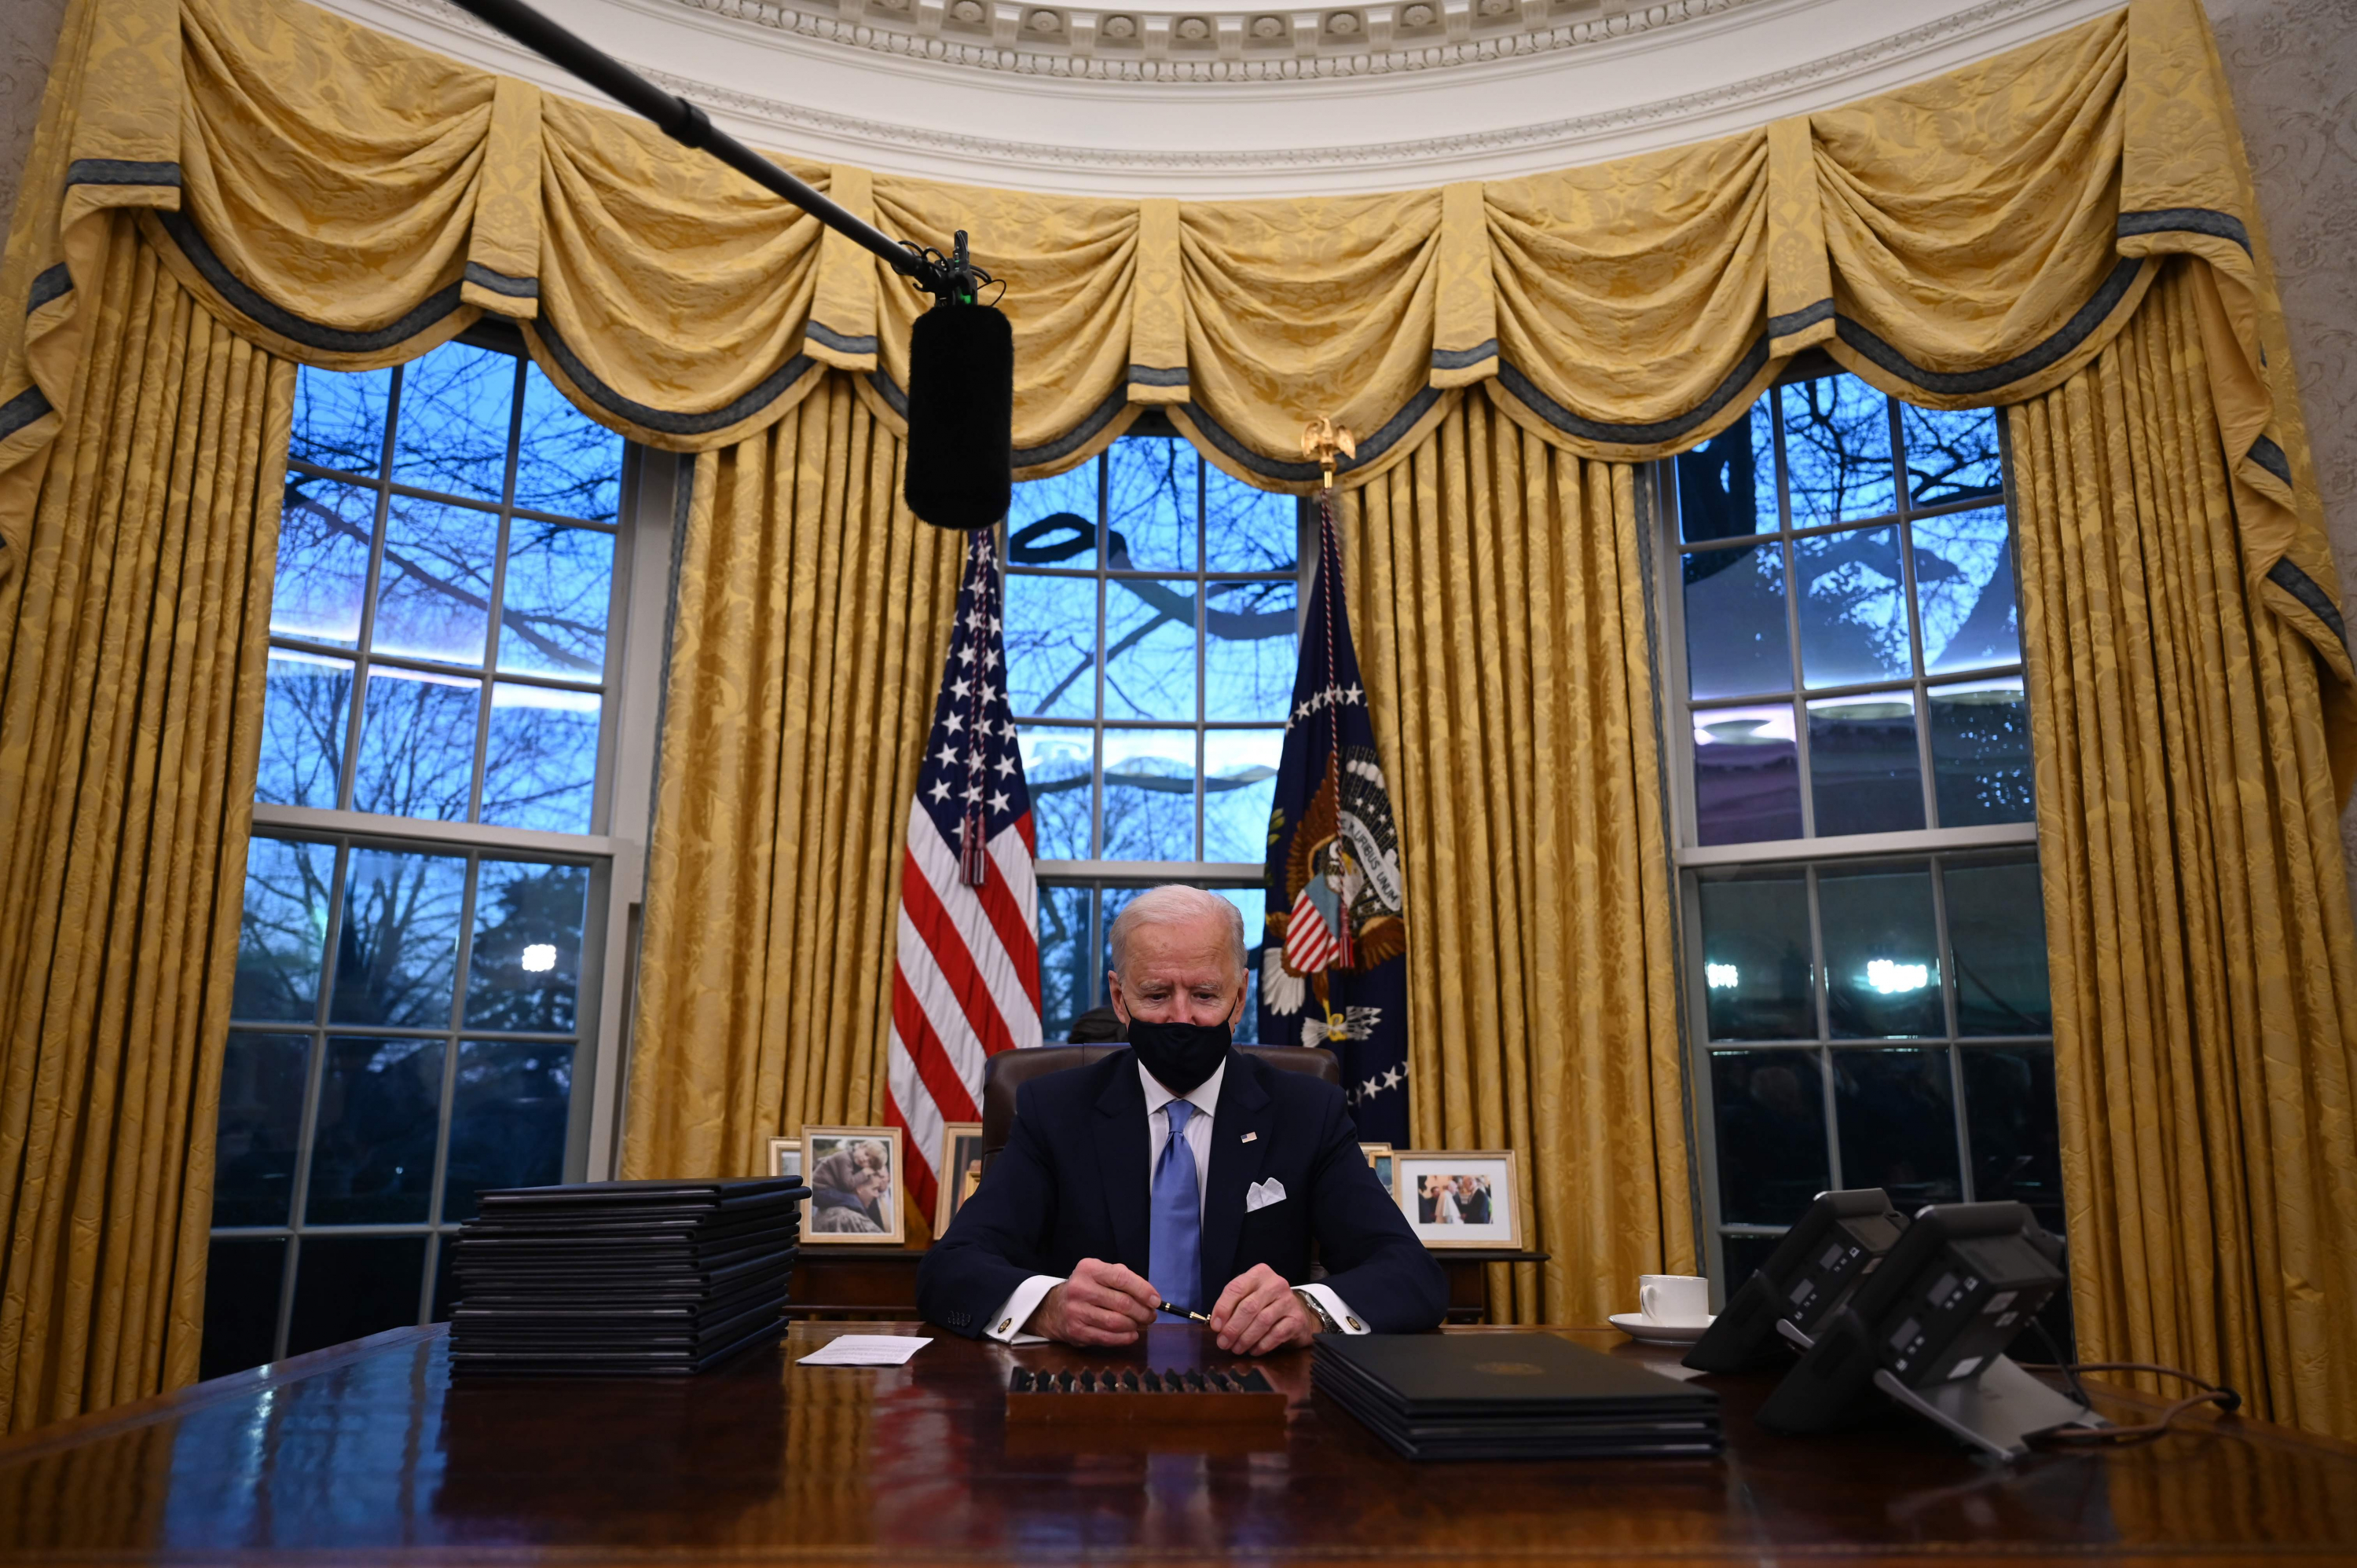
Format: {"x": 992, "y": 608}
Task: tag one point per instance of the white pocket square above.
{"x": 1260, "y": 1194}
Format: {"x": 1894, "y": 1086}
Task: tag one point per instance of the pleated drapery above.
{"x": 2205, "y": 998}
{"x": 131, "y": 652}
{"x": 1497, "y": 590}
{"x": 812, "y": 617}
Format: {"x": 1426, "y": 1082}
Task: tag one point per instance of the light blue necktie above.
{"x": 1175, "y": 1259}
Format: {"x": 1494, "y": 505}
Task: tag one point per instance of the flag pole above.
{"x": 1328, "y": 443}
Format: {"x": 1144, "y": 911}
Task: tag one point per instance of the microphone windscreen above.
{"x": 961, "y": 472}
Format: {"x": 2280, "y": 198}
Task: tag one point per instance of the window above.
{"x": 1863, "y": 923}
{"x": 1153, "y": 616}
{"x": 431, "y": 890}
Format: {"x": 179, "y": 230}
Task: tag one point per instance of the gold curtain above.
{"x": 2205, "y": 996}
{"x": 812, "y": 617}
{"x": 132, "y": 652}
{"x": 1497, "y": 593}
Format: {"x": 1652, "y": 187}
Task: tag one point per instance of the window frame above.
{"x": 1933, "y": 847}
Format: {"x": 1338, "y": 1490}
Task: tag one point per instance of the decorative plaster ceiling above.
{"x": 1229, "y": 98}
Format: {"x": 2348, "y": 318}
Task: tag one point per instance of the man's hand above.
{"x": 1101, "y": 1304}
{"x": 1259, "y": 1313}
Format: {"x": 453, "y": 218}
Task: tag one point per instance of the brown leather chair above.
{"x": 1007, "y": 1071}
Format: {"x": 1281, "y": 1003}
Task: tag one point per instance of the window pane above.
{"x": 398, "y": 953}
{"x": 1771, "y": 1134}
{"x": 1896, "y": 1114}
{"x": 1239, "y": 791}
{"x": 1250, "y": 651}
{"x": 1058, "y": 766}
{"x": 433, "y": 592}
{"x": 304, "y": 713}
{"x": 1863, "y": 770}
{"x": 1149, "y": 794}
{"x": 1111, "y": 902}
{"x": 1997, "y": 930}
{"x": 339, "y": 418}
{"x": 1950, "y": 454}
{"x": 1053, "y": 523}
{"x": 1149, "y": 650}
{"x": 1736, "y": 642}
{"x": 1245, "y": 530}
{"x": 324, "y": 531}
{"x": 524, "y": 970}
{"x": 558, "y": 596}
{"x": 1051, "y": 647}
{"x": 261, "y": 1121}
{"x": 1836, "y": 450}
{"x": 1964, "y": 583}
{"x": 243, "y": 1275}
{"x": 372, "y": 1151}
{"x": 1726, "y": 486}
{"x": 454, "y": 422}
{"x": 1150, "y": 497}
{"x": 541, "y": 771}
{"x": 1744, "y": 1254}
{"x": 1852, "y": 608}
{"x": 506, "y": 1119}
{"x": 566, "y": 461}
{"x": 1755, "y": 943}
{"x": 2010, "y": 1110}
{"x": 1980, "y": 753}
{"x": 1882, "y": 960}
{"x": 1747, "y": 775}
{"x": 282, "y": 933}
{"x": 350, "y": 1287}
{"x": 417, "y": 745}
{"x": 1067, "y": 968}
{"x": 1252, "y": 903}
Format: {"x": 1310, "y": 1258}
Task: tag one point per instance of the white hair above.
{"x": 1175, "y": 904}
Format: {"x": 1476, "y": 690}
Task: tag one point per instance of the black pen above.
{"x": 1180, "y": 1312}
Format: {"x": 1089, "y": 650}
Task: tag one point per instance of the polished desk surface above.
{"x": 367, "y": 1452}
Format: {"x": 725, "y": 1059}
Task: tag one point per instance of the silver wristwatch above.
{"x": 1326, "y": 1324}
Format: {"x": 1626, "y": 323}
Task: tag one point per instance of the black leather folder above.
{"x": 1510, "y": 1396}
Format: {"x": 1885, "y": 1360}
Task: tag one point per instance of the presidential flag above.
{"x": 965, "y": 984}
{"x": 1334, "y": 971}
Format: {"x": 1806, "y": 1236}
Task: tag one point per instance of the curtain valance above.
{"x": 351, "y": 201}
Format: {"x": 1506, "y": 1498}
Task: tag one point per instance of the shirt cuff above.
{"x": 1336, "y": 1308}
{"x": 1006, "y": 1322}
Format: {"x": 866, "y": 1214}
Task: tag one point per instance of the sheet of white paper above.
{"x": 865, "y": 1350}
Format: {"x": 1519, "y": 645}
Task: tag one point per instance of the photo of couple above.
{"x": 854, "y": 1183}
{"x": 1454, "y": 1200}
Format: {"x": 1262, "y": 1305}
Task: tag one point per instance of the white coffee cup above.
{"x": 1673, "y": 1298}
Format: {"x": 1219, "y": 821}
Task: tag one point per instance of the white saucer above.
{"x": 1647, "y": 1331}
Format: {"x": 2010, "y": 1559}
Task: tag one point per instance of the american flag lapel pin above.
{"x": 1249, "y": 1137}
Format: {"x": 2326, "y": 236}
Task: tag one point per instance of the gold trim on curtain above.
{"x": 812, "y": 617}
{"x": 131, "y": 655}
{"x": 1497, "y": 586}
{"x": 2204, "y": 961}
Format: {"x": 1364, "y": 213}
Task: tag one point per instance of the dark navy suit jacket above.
{"x": 1072, "y": 1183}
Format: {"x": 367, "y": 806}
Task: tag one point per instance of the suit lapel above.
{"x": 1244, "y": 1108}
{"x": 1121, "y": 1158}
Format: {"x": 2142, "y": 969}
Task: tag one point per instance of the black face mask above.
{"x": 1180, "y": 1056}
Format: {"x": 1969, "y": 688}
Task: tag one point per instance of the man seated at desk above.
{"x": 1180, "y": 1171}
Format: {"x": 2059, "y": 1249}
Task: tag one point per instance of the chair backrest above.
{"x": 1007, "y": 1071}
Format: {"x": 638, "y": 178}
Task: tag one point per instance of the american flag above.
{"x": 966, "y": 984}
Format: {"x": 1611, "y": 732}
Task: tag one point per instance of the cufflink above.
{"x": 1002, "y": 1324}
{"x": 1356, "y": 1326}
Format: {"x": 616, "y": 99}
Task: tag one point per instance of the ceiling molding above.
{"x": 1677, "y": 79}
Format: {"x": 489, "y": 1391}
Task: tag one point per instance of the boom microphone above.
{"x": 960, "y": 471}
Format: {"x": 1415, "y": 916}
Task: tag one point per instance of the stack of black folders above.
{"x": 1510, "y": 1396}
{"x": 623, "y": 1278}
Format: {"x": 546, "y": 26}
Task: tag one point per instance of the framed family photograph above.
{"x": 1379, "y": 1160}
{"x": 785, "y": 1156}
{"x": 961, "y": 1171}
{"x": 854, "y": 1175}
{"x": 1460, "y": 1198}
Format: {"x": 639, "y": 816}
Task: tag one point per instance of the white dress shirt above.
{"x": 1007, "y": 1325}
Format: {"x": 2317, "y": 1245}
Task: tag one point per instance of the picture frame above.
{"x": 1379, "y": 1160}
{"x": 785, "y": 1156}
{"x": 958, "y": 1174}
{"x": 1461, "y": 1214}
{"x": 839, "y": 1164}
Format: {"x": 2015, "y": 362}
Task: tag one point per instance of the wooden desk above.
{"x": 366, "y": 1453}
{"x": 880, "y": 1283}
